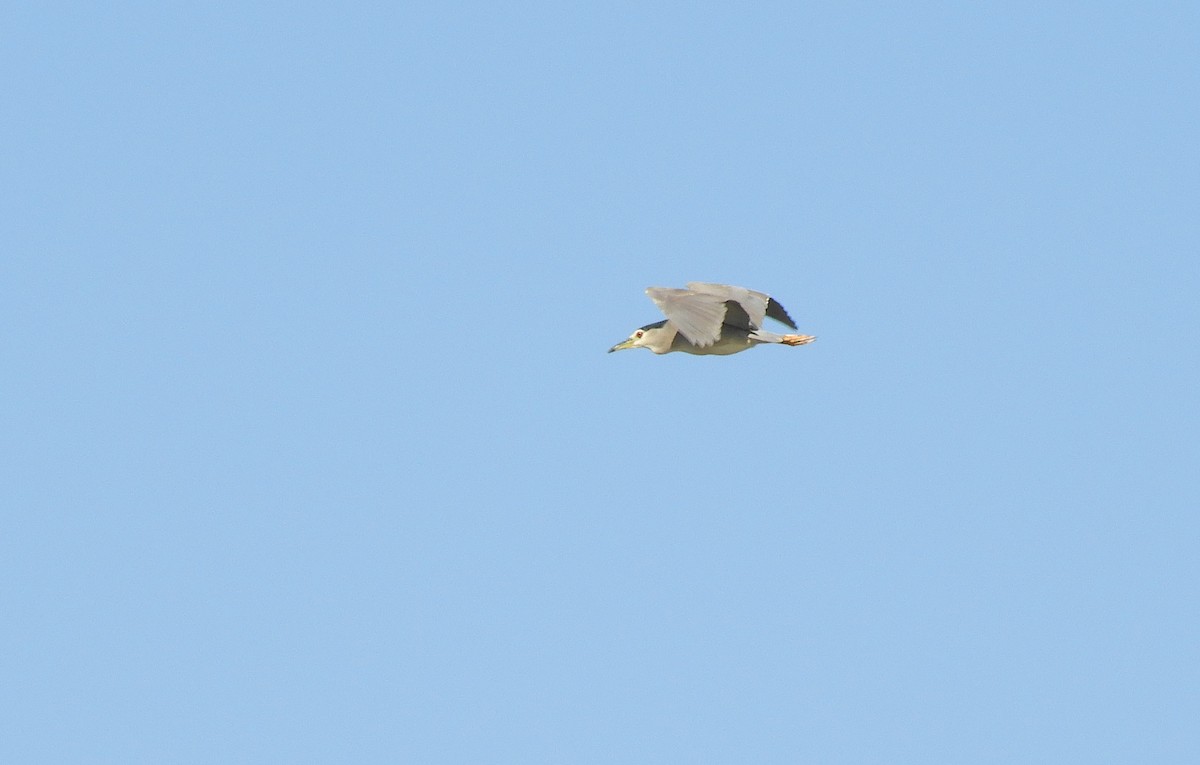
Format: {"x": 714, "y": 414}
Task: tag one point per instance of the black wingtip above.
{"x": 776, "y": 311}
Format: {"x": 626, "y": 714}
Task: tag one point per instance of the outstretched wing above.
{"x": 697, "y": 315}
{"x": 755, "y": 305}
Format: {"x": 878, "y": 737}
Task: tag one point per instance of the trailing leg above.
{"x": 796, "y": 339}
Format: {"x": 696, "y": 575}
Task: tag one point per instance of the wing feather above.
{"x": 754, "y": 304}
{"x": 778, "y": 313}
{"x": 697, "y": 315}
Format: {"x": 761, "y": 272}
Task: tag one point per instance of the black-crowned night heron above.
{"x": 707, "y": 319}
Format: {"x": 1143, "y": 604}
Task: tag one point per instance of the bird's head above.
{"x": 636, "y": 340}
{"x": 643, "y": 337}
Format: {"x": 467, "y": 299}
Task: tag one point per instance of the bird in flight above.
{"x": 711, "y": 319}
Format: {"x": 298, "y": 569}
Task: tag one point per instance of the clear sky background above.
{"x": 313, "y": 452}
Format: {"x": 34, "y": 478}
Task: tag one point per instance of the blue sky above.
{"x": 314, "y": 453}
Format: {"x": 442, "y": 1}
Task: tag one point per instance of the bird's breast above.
{"x": 732, "y": 340}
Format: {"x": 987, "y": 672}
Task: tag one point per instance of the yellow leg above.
{"x": 797, "y": 339}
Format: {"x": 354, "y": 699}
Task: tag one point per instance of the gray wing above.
{"x": 697, "y": 315}
{"x": 755, "y": 305}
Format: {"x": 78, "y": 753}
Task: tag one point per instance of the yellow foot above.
{"x": 797, "y": 339}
